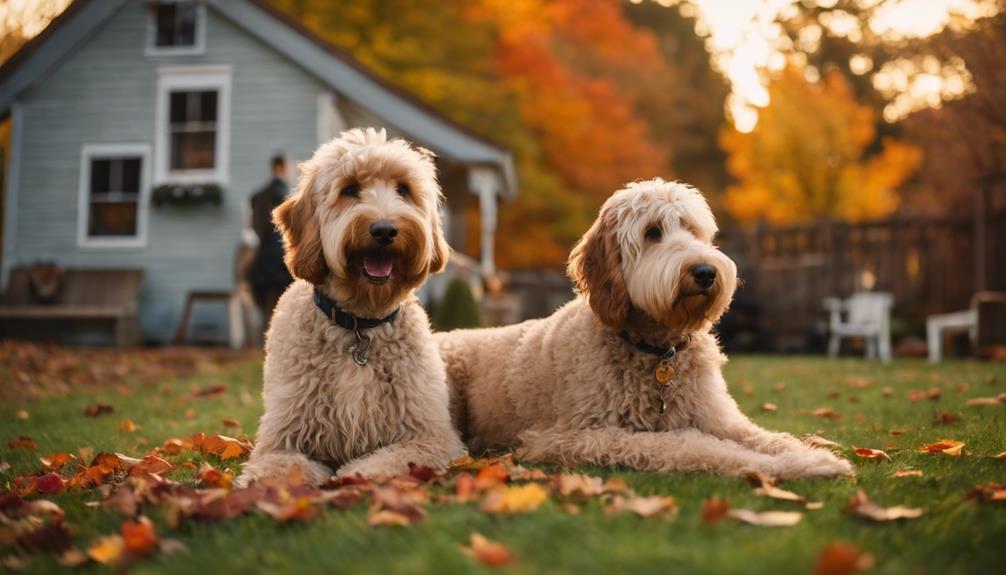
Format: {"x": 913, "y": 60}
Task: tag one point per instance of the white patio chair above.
{"x": 982, "y": 321}
{"x": 868, "y": 315}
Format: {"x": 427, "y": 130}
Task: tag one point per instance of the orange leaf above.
{"x": 990, "y": 491}
{"x": 490, "y": 476}
{"x": 769, "y": 406}
{"x": 56, "y": 460}
{"x": 515, "y": 499}
{"x": 932, "y": 393}
{"x": 214, "y": 477}
{"x": 465, "y": 487}
{"x": 644, "y": 506}
{"x": 842, "y": 559}
{"x": 714, "y": 510}
{"x": 151, "y": 464}
{"x": 98, "y": 409}
{"x": 106, "y": 550}
{"x": 767, "y": 518}
{"x": 489, "y": 553}
{"x": 950, "y": 447}
{"x": 867, "y": 453}
{"x": 862, "y": 506}
{"x": 176, "y": 446}
{"x": 826, "y": 412}
{"x": 21, "y": 442}
{"x": 139, "y": 536}
{"x": 230, "y": 422}
{"x": 127, "y": 426}
{"x": 387, "y": 518}
{"x": 946, "y": 418}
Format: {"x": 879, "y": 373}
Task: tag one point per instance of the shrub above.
{"x": 458, "y": 308}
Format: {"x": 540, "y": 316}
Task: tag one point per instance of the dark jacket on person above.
{"x": 267, "y": 269}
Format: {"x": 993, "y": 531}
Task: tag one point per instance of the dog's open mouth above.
{"x": 377, "y": 267}
{"x": 691, "y": 294}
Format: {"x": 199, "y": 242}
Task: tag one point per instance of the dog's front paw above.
{"x": 373, "y": 468}
{"x": 281, "y": 465}
{"x": 812, "y": 463}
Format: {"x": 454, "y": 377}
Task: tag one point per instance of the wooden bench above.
{"x": 86, "y": 294}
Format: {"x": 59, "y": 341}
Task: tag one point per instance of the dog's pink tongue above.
{"x": 377, "y": 266}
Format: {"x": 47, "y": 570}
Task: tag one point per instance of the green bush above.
{"x": 458, "y": 308}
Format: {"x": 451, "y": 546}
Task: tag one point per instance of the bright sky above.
{"x": 746, "y": 44}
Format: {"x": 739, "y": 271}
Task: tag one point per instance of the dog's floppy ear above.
{"x": 441, "y": 251}
{"x": 297, "y": 221}
{"x": 595, "y": 266}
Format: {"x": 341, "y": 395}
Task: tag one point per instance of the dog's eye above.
{"x": 654, "y": 233}
{"x": 402, "y": 189}
{"x": 352, "y": 190}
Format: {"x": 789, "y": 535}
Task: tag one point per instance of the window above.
{"x": 192, "y": 125}
{"x": 114, "y": 188}
{"x": 176, "y": 27}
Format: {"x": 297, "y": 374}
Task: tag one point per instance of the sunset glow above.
{"x": 746, "y": 44}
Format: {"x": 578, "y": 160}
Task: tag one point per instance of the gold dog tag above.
{"x": 664, "y": 373}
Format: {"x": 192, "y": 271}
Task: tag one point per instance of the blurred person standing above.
{"x": 268, "y": 274}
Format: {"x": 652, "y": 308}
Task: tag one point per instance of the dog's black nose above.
{"x": 384, "y": 232}
{"x": 704, "y": 275}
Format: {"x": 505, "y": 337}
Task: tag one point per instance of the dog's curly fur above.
{"x": 568, "y": 389}
{"x": 322, "y": 411}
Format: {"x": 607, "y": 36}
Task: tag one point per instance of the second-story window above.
{"x": 176, "y": 26}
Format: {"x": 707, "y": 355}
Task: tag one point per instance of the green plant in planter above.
{"x": 457, "y": 308}
{"x": 187, "y": 194}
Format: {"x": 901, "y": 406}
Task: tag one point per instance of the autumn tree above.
{"x": 808, "y": 156}
{"x": 966, "y": 138}
{"x": 565, "y": 84}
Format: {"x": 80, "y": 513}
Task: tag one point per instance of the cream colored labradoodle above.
{"x": 353, "y": 380}
{"x": 627, "y": 373}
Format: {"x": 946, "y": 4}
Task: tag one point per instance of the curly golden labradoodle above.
{"x": 353, "y": 380}
{"x": 628, "y": 373}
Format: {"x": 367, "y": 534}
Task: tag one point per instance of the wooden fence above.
{"x": 930, "y": 265}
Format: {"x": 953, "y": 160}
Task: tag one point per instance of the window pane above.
{"x": 179, "y": 107}
{"x": 112, "y": 219}
{"x": 185, "y": 24}
{"x": 175, "y": 23}
{"x": 208, "y": 106}
{"x": 193, "y": 150}
{"x": 164, "y": 19}
{"x": 131, "y": 176}
{"x": 100, "y": 176}
{"x": 194, "y": 106}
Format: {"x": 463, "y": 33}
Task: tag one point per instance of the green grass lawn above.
{"x": 954, "y": 536}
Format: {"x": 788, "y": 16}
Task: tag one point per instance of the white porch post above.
{"x": 485, "y": 183}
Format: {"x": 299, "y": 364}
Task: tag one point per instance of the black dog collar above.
{"x": 347, "y": 320}
{"x": 661, "y": 352}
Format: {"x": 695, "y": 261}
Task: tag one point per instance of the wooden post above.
{"x": 981, "y": 239}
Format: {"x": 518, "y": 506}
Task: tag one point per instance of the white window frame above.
{"x": 89, "y": 152}
{"x": 193, "y": 78}
{"x": 199, "y": 48}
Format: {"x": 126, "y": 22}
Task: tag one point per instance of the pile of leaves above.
{"x": 131, "y": 486}
{"x": 32, "y": 370}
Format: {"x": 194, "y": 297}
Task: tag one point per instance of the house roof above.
{"x": 331, "y": 65}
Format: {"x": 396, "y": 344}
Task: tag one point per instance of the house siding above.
{"x": 105, "y": 93}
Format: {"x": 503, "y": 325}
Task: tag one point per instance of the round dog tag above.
{"x": 664, "y": 373}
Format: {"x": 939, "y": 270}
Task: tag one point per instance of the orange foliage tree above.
{"x": 807, "y": 157}
{"x": 565, "y": 84}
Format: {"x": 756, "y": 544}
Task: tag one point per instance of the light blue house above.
{"x": 140, "y": 128}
